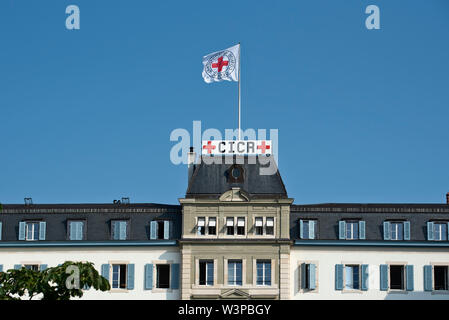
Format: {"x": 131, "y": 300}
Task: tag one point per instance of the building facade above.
{"x": 237, "y": 235}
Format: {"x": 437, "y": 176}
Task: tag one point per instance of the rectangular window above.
{"x": 263, "y": 272}
{"x": 397, "y": 230}
{"x": 230, "y": 226}
{"x": 76, "y": 230}
{"x": 440, "y": 276}
{"x": 235, "y": 272}
{"x": 119, "y": 229}
{"x": 259, "y": 226}
{"x": 240, "y": 226}
{"x": 440, "y": 231}
{"x": 119, "y": 276}
{"x": 270, "y": 226}
{"x": 308, "y": 229}
{"x": 397, "y": 278}
{"x": 32, "y": 231}
{"x": 212, "y": 226}
{"x": 206, "y": 272}
{"x": 352, "y": 230}
{"x": 34, "y": 267}
{"x": 201, "y": 226}
{"x": 163, "y": 276}
{"x": 352, "y": 277}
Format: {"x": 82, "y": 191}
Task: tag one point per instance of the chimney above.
{"x": 447, "y": 198}
{"x": 191, "y": 156}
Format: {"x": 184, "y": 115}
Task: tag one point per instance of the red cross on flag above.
{"x": 222, "y": 65}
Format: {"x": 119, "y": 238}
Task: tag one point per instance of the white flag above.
{"x": 222, "y": 65}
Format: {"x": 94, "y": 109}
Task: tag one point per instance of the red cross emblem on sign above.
{"x": 263, "y": 147}
{"x": 209, "y": 147}
{"x": 220, "y": 64}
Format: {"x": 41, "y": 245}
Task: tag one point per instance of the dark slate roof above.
{"x": 329, "y": 214}
{"x": 97, "y": 216}
{"x": 211, "y": 180}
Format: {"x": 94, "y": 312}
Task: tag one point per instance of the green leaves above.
{"x": 57, "y": 283}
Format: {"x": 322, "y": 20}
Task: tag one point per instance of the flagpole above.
{"x": 239, "y": 89}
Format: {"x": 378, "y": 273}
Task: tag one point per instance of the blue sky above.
{"x": 86, "y": 114}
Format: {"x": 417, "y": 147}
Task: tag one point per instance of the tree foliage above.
{"x": 57, "y": 283}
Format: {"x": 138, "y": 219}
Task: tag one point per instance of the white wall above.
{"x": 326, "y": 258}
{"x": 139, "y": 256}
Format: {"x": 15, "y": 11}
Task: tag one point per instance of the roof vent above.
{"x": 28, "y": 201}
{"x": 447, "y": 198}
{"x": 125, "y": 200}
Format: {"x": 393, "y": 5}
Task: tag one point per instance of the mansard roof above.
{"x": 211, "y": 180}
{"x": 98, "y": 217}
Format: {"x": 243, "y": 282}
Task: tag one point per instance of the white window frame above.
{"x": 35, "y": 230}
{"x": 112, "y": 276}
{"x": 359, "y": 266}
{"x": 350, "y": 226}
{"x": 440, "y": 233}
{"x": 395, "y": 225}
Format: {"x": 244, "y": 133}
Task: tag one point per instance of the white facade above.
{"x": 139, "y": 256}
{"x": 326, "y": 257}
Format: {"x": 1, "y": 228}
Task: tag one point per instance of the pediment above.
{"x": 235, "y": 194}
{"x": 234, "y": 294}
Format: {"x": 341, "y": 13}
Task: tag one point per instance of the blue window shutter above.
{"x": 409, "y": 278}
{"x": 362, "y": 233}
{"x": 1, "y": 268}
{"x": 312, "y": 277}
{"x": 17, "y": 266}
{"x": 302, "y": 270}
{"x": 166, "y": 229}
{"x": 148, "y": 277}
{"x": 122, "y": 230}
{"x": 153, "y": 230}
{"x": 0, "y": 230}
{"x": 342, "y": 230}
{"x": 22, "y": 228}
{"x": 430, "y": 231}
{"x": 175, "y": 276}
{"x": 42, "y": 230}
{"x": 301, "y": 229}
{"x": 105, "y": 271}
{"x": 72, "y": 230}
{"x": 365, "y": 277}
{"x": 383, "y": 277}
{"x": 338, "y": 277}
{"x": 80, "y": 230}
{"x": 387, "y": 230}
{"x": 428, "y": 285}
{"x": 407, "y": 230}
{"x": 130, "y": 275}
{"x": 42, "y": 267}
{"x": 312, "y": 225}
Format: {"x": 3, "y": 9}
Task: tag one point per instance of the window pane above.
{"x": 163, "y": 276}
{"x": 115, "y": 276}
{"x": 349, "y": 277}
